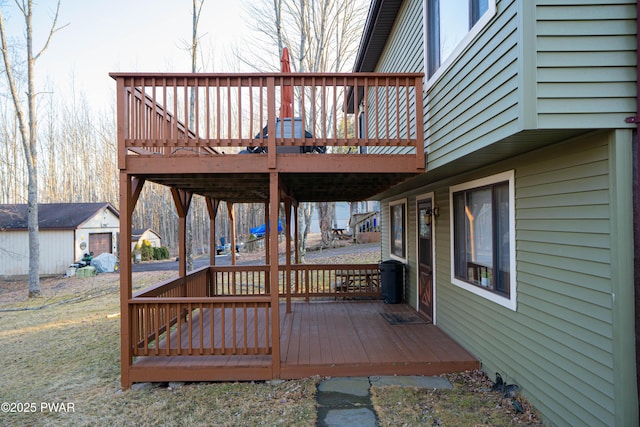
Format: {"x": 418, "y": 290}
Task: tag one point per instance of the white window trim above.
{"x": 404, "y": 230}
{"x": 511, "y": 302}
{"x": 457, "y": 52}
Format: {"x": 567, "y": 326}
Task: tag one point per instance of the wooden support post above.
{"x": 267, "y": 246}
{"x": 232, "y": 224}
{"x": 130, "y": 189}
{"x": 126, "y": 208}
{"x": 182, "y": 200}
{"x": 122, "y": 123}
{"x": 296, "y": 234}
{"x": 271, "y": 122}
{"x": 272, "y": 233}
{"x": 182, "y": 246}
{"x": 212, "y": 208}
{"x": 296, "y": 244}
{"x": 287, "y": 281}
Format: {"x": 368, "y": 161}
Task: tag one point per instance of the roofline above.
{"x": 374, "y": 27}
{"x": 99, "y": 206}
{"x": 102, "y": 206}
{"x": 144, "y": 230}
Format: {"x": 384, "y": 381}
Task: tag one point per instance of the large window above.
{"x": 483, "y": 238}
{"x": 398, "y": 238}
{"x": 450, "y": 25}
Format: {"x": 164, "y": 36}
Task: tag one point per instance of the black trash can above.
{"x": 392, "y": 281}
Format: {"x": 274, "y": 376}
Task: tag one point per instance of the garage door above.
{"x": 100, "y": 243}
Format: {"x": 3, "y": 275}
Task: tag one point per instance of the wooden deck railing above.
{"x": 333, "y": 280}
{"x": 304, "y": 280}
{"x": 225, "y": 310}
{"x": 238, "y": 110}
{"x": 195, "y": 284}
{"x": 205, "y": 326}
{"x": 239, "y": 280}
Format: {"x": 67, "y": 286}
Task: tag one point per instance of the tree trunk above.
{"x": 304, "y": 223}
{"x": 28, "y": 132}
{"x": 326, "y": 212}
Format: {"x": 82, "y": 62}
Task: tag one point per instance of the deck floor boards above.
{"x": 341, "y": 338}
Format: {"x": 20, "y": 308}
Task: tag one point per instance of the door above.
{"x": 425, "y": 258}
{"x": 100, "y": 243}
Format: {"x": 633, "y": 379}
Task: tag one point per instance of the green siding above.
{"x": 476, "y": 101}
{"x": 561, "y": 344}
{"x": 539, "y": 64}
{"x": 586, "y": 60}
{"x": 559, "y": 340}
{"x": 540, "y": 70}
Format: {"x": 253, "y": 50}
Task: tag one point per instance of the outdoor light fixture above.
{"x": 430, "y": 213}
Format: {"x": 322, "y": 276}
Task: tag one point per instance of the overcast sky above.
{"x": 125, "y": 35}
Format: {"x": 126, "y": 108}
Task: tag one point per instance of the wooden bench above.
{"x": 356, "y": 281}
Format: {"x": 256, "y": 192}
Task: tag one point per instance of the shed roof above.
{"x": 136, "y": 233}
{"x": 57, "y": 216}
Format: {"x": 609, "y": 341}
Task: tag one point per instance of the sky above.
{"x": 103, "y": 36}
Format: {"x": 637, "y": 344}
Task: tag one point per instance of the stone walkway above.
{"x": 346, "y": 401}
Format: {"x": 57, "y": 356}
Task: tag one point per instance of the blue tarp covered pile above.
{"x": 261, "y": 230}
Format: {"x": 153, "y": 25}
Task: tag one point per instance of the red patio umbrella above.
{"x": 286, "y": 104}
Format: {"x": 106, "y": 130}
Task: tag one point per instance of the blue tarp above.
{"x": 260, "y": 230}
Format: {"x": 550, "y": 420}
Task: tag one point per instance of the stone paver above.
{"x": 361, "y": 417}
{"x": 346, "y": 402}
{"x": 358, "y": 386}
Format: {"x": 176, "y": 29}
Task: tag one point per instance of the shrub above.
{"x": 146, "y": 251}
{"x": 161, "y": 253}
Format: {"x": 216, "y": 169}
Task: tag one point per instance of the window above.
{"x": 483, "y": 238}
{"x": 398, "y": 236}
{"x": 450, "y": 25}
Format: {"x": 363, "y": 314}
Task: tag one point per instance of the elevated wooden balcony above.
{"x": 222, "y": 136}
{"x": 368, "y": 126}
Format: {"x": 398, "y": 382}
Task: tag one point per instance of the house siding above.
{"x": 403, "y": 53}
{"x": 539, "y": 71}
{"x": 104, "y": 221}
{"x": 586, "y": 63}
{"x": 537, "y": 65}
{"x": 560, "y": 344}
{"x": 56, "y": 252}
{"x": 476, "y": 101}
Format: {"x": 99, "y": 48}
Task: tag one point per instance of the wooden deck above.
{"x": 350, "y": 136}
{"x": 327, "y": 338}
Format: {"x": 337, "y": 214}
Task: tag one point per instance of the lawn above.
{"x": 61, "y": 366}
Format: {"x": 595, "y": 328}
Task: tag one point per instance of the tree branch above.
{"x": 51, "y": 32}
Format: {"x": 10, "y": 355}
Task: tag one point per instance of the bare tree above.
{"x": 323, "y": 36}
{"x": 28, "y": 129}
{"x": 197, "y": 205}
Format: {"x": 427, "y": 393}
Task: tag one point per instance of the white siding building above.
{"x": 68, "y": 231}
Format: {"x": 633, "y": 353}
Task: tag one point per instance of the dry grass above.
{"x": 470, "y": 403}
{"x": 64, "y": 348}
